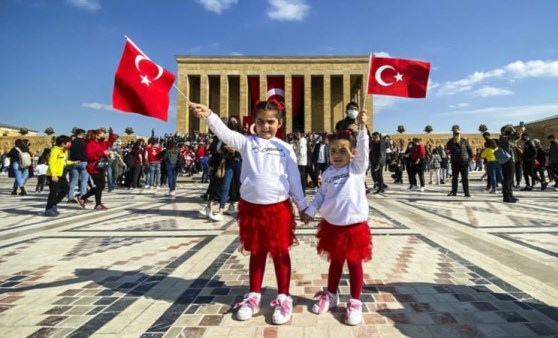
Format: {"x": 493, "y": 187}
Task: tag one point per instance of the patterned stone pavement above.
{"x": 153, "y": 267}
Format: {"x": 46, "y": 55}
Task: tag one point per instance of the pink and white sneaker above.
{"x": 353, "y": 316}
{"x": 249, "y": 306}
{"x": 326, "y": 301}
{"x": 283, "y": 309}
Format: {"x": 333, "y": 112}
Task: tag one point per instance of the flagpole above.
{"x": 367, "y": 82}
{"x": 174, "y": 85}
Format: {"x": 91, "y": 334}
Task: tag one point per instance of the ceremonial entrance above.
{"x": 315, "y": 89}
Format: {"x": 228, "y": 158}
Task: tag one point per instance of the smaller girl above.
{"x": 343, "y": 234}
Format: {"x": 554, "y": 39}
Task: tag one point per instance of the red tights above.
{"x": 356, "y": 277}
{"x": 282, "y": 265}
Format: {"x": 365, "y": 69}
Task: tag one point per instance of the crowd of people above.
{"x": 259, "y": 175}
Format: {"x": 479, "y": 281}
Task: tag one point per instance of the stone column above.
{"x": 346, "y": 89}
{"x": 368, "y": 104}
{"x": 263, "y": 87}
{"x": 224, "y": 95}
{"x": 204, "y": 98}
{"x": 327, "y": 103}
{"x": 307, "y": 102}
{"x": 244, "y": 106}
{"x": 182, "y": 112}
{"x": 289, "y": 103}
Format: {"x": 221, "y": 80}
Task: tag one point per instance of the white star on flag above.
{"x": 399, "y": 77}
{"x": 145, "y": 80}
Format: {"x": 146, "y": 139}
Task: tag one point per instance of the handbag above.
{"x": 102, "y": 164}
{"x": 220, "y": 172}
{"x": 502, "y": 156}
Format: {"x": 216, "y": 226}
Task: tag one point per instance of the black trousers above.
{"x": 378, "y": 175}
{"x": 41, "y": 181}
{"x": 508, "y": 171}
{"x": 302, "y": 172}
{"x": 529, "y": 171}
{"x": 97, "y": 190}
{"x": 463, "y": 169}
{"x": 58, "y": 190}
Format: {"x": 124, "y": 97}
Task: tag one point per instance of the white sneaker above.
{"x": 283, "y": 305}
{"x": 217, "y": 217}
{"x": 173, "y": 193}
{"x": 353, "y": 316}
{"x": 205, "y": 212}
{"x": 421, "y": 189}
{"x": 327, "y": 301}
{"x": 249, "y": 306}
{"x": 147, "y": 187}
{"x": 231, "y": 210}
{"x": 415, "y": 188}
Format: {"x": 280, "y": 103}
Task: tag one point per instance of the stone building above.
{"x": 541, "y": 129}
{"x": 315, "y": 88}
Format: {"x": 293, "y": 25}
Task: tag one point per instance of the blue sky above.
{"x": 493, "y": 62}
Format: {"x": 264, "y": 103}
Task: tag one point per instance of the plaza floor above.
{"x": 154, "y": 267}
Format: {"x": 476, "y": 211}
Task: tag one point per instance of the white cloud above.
{"x": 381, "y": 54}
{"x": 380, "y": 103}
{"x": 236, "y": 54}
{"x": 217, "y": 6}
{"x": 487, "y": 91}
{"x": 97, "y": 106}
{"x": 88, "y": 5}
{"x": 460, "y": 105}
{"x": 503, "y": 115}
{"x": 288, "y": 10}
{"x": 512, "y": 71}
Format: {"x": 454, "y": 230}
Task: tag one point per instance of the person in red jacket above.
{"x": 418, "y": 161}
{"x": 96, "y": 148}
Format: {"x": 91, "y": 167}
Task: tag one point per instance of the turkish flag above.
{"x": 140, "y": 85}
{"x": 398, "y": 77}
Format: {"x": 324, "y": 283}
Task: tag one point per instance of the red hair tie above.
{"x": 276, "y": 102}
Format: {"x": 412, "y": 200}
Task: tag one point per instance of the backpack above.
{"x": 171, "y": 157}
{"x": 24, "y": 160}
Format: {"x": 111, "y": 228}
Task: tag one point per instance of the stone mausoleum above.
{"x": 315, "y": 88}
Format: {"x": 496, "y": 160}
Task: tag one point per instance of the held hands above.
{"x": 361, "y": 119}
{"x": 199, "y": 110}
{"x": 304, "y": 217}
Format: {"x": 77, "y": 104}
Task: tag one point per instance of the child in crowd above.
{"x": 269, "y": 177}
{"x": 40, "y": 172}
{"x": 57, "y": 169}
{"x": 343, "y": 234}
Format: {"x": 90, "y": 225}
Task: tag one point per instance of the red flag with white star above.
{"x": 141, "y": 86}
{"x": 398, "y": 77}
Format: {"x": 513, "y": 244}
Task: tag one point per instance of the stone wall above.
{"x": 476, "y": 140}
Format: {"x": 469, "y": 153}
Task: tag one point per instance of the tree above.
{"x": 428, "y": 129}
{"x": 23, "y": 131}
{"x": 483, "y": 128}
{"x": 49, "y": 131}
{"x": 129, "y": 130}
{"x": 401, "y": 129}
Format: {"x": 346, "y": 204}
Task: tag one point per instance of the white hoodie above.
{"x": 342, "y": 197}
{"x": 269, "y": 171}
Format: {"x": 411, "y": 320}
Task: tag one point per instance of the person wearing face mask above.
{"x": 349, "y": 121}
{"x": 461, "y": 154}
{"x": 97, "y": 148}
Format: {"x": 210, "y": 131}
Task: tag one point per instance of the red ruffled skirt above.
{"x": 266, "y": 228}
{"x": 352, "y": 243}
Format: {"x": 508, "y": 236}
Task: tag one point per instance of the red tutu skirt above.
{"x": 352, "y": 243}
{"x": 266, "y": 228}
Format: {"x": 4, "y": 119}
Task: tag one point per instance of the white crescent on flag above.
{"x": 140, "y": 58}
{"x": 275, "y": 91}
{"x": 378, "y": 76}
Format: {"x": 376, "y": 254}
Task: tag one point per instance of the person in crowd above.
{"x": 57, "y": 168}
{"x": 301, "y": 150}
{"x": 270, "y": 178}
{"x": 378, "y": 161}
{"x": 553, "y": 160}
{"x": 492, "y": 166}
{"x": 171, "y": 158}
{"x": 96, "y": 150}
{"x": 507, "y": 141}
{"x": 529, "y": 157}
{"x": 41, "y": 171}
{"x": 351, "y": 111}
{"x": 540, "y": 162}
{"x": 78, "y": 172}
{"x": 418, "y": 163}
{"x": 136, "y": 160}
{"x": 20, "y": 160}
{"x": 320, "y": 158}
{"x": 152, "y": 158}
{"x": 435, "y": 167}
{"x": 344, "y": 234}
{"x": 518, "y": 170}
{"x": 461, "y": 154}
{"x": 216, "y": 176}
